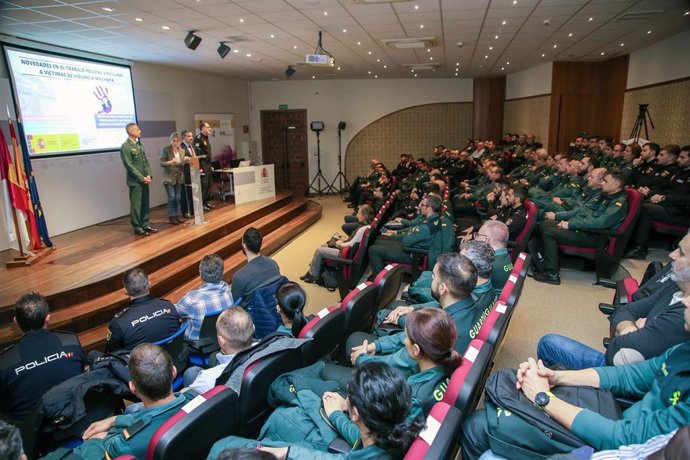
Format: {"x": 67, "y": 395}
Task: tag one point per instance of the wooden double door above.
{"x": 284, "y": 144}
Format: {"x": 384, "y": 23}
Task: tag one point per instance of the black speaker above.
{"x": 223, "y": 50}
{"x": 192, "y": 41}
{"x": 342, "y": 125}
{"x": 290, "y": 71}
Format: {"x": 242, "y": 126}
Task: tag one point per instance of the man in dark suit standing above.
{"x": 202, "y": 145}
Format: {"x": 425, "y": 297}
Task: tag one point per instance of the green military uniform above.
{"x": 609, "y": 214}
{"x": 132, "y": 432}
{"x": 590, "y": 199}
{"x": 533, "y": 177}
{"x": 502, "y": 268}
{"x": 391, "y": 249}
{"x": 136, "y": 167}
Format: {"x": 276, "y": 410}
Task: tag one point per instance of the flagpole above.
{"x": 14, "y": 211}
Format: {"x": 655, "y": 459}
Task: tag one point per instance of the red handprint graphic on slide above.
{"x": 101, "y": 94}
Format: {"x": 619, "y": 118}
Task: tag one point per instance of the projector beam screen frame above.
{"x": 87, "y": 102}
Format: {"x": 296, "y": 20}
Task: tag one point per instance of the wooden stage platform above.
{"x": 82, "y": 278}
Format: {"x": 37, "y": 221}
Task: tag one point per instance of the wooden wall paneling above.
{"x": 489, "y": 98}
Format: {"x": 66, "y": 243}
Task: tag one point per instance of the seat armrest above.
{"x": 416, "y": 250}
{"x": 339, "y": 446}
{"x": 339, "y": 260}
{"x": 607, "y": 283}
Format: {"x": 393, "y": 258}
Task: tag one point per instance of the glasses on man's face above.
{"x": 479, "y": 236}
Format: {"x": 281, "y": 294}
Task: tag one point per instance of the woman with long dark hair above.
{"x": 290, "y": 301}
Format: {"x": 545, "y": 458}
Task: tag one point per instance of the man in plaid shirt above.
{"x": 214, "y": 295}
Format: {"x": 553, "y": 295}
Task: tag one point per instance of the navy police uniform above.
{"x": 148, "y": 319}
{"x": 40, "y": 360}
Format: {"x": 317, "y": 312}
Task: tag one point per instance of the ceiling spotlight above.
{"x": 486, "y": 56}
{"x": 649, "y": 32}
{"x": 165, "y": 27}
{"x": 139, "y": 19}
{"x": 507, "y": 62}
{"x": 495, "y": 37}
{"x": 421, "y": 26}
{"x": 622, "y": 44}
{"x": 570, "y": 34}
{"x": 385, "y": 66}
{"x": 555, "y": 46}
{"x": 241, "y": 20}
{"x": 416, "y": 7}
{"x": 503, "y": 68}
{"x": 235, "y": 51}
{"x": 602, "y": 53}
{"x": 543, "y": 55}
{"x": 272, "y": 36}
{"x": 108, "y": 9}
{"x": 491, "y": 48}
{"x": 249, "y": 54}
{"x": 344, "y": 31}
{"x": 687, "y": 13}
{"x": 590, "y": 19}
{"x": 504, "y": 22}
{"x": 223, "y": 50}
{"x": 192, "y": 40}
{"x": 514, "y": 2}
{"x": 290, "y": 71}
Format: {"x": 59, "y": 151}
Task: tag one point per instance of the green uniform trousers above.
{"x": 386, "y": 249}
{"x": 552, "y": 236}
{"x": 139, "y": 205}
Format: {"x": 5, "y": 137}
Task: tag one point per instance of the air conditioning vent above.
{"x": 364, "y": 2}
{"x": 236, "y": 39}
{"x": 423, "y": 66}
{"x": 638, "y": 15}
{"x": 409, "y": 43}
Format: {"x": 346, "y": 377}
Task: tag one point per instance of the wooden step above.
{"x": 94, "y": 338}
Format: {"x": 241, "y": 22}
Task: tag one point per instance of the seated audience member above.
{"x": 670, "y": 206}
{"x": 213, "y": 296}
{"x": 496, "y": 233}
{"x": 564, "y": 208}
{"x": 353, "y": 222}
{"x": 290, "y": 302}
{"x": 390, "y": 247}
{"x": 235, "y": 333}
{"x": 259, "y": 271}
{"x": 379, "y": 403}
{"x": 644, "y": 328}
{"x": 10, "y": 442}
{"x": 645, "y": 165}
{"x": 454, "y": 278}
{"x": 151, "y": 372}
{"x": 660, "y": 383}
{"x": 365, "y": 214}
{"x": 40, "y": 360}
{"x": 146, "y": 319}
{"x": 512, "y": 211}
{"x": 611, "y": 211}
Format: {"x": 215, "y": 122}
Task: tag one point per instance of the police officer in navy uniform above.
{"x": 202, "y": 145}
{"x": 40, "y": 360}
{"x": 146, "y": 319}
{"x": 573, "y": 232}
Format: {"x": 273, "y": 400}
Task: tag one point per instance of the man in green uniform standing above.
{"x": 574, "y": 232}
{"x": 138, "y": 174}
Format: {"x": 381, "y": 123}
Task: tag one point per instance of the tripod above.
{"x": 340, "y": 176}
{"x": 319, "y": 175}
{"x": 640, "y": 122}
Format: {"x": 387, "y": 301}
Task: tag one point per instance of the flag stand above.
{"x": 27, "y": 260}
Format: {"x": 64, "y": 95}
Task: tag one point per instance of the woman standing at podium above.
{"x": 172, "y": 160}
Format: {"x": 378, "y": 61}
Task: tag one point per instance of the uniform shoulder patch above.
{"x": 619, "y": 204}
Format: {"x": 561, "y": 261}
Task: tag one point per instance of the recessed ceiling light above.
{"x": 421, "y": 26}
{"x": 590, "y": 19}
{"x": 481, "y": 66}
{"x": 376, "y": 76}
{"x": 495, "y": 37}
{"x": 165, "y": 27}
{"x": 570, "y": 34}
{"x": 272, "y": 36}
{"x": 378, "y": 59}
{"x": 139, "y": 19}
{"x": 369, "y": 52}
{"x": 235, "y": 51}
{"x": 491, "y": 48}
{"x": 514, "y": 2}
{"x": 543, "y": 55}
{"x": 555, "y": 46}
{"x": 428, "y": 50}
{"x": 507, "y": 62}
{"x": 622, "y": 44}
{"x": 431, "y": 58}
{"x": 344, "y": 31}
{"x": 649, "y": 32}
{"x": 369, "y": 72}
{"x": 602, "y": 53}
{"x": 294, "y": 47}
{"x": 503, "y": 68}
{"x": 385, "y": 66}
{"x": 457, "y": 69}
{"x": 416, "y": 7}
{"x": 456, "y": 74}
{"x": 687, "y": 13}
{"x": 486, "y": 56}
{"x": 241, "y": 20}
{"x": 338, "y": 67}
{"x": 313, "y": 77}
{"x": 412, "y": 70}
{"x": 359, "y": 43}
{"x": 504, "y": 22}
{"x": 457, "y": 63}
{"x": 415, "y": 75}
{"x": 108, "y": 9}
{"x": 249, "y": 54}
{"x": 325, "y": 13}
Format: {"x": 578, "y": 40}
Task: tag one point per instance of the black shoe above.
{"x": 309, "y": 279}
{"x": 150, "y": 229}
{"x": 209, "y": 205}
{"x": 305, "y": 276}
{"x": 637, "y": 253}
{"x": 140, "y": 232}
{"x": 206, "y": 208}
{"x": 187, "y": 215}
{"x": 350, "y": 205}
{"x": 174, "y": 221}
{"x": 550, "y": 278}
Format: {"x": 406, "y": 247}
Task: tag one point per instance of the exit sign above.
{"x": 283, "y": 106}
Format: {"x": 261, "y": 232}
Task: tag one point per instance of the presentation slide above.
{"x": 70, "y": 105}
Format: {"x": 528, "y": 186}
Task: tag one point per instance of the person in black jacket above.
{"x": 40, "y": 360}
{"x": 146, "y": 319}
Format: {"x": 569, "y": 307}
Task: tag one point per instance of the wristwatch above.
{"x": 542, "y": 399}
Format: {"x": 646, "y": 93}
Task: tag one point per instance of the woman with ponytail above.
{"x": 379, "y": 402}
{"x": 290, "y": 300}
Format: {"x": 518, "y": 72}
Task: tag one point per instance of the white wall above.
{"x": 663, "y": 61}
{"x": 84, "y": 190}
{"x": 529, "y": 82}
{"x": 356, "y": 102}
